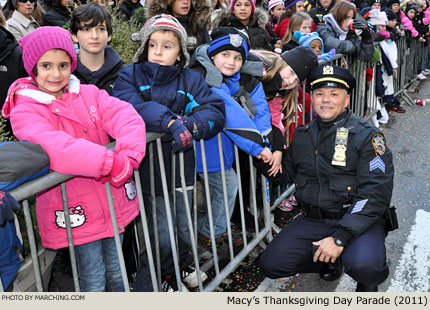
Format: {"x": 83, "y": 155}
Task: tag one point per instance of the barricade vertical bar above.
{"x": 173, "y": 195}
{"x": 195, "y": 196}
{"x": 224, "y": 189}
{"x": 266, "y": 204}
{"x": 169, "y": 214}
{"x": 33, "y": 248}
{"x": 116, "y": 236}
{"x": 145, "y": 230}
{"x": 303, "y": 103}
{"x": 253, "y": 191}
{"x": 209, "y": 206}
{"x": 70, "y": 237}
{"x": 189, "y": 219}
{"x": 239, "y": 187}
{"x": 154, "y": 212}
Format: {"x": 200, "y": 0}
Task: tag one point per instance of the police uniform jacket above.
{"x": 362, "y": 189}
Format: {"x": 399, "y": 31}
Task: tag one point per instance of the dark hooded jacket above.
{"x": 318, "y": 12}
{"x": 58, "y": 15}
{"x": 11, "y": 64}
{"x": 127, "y": 8}
{"x": 105, "y": 77}
{"x": 161, "y": 98}
{"x": 258, "y": 36}
{"x": 196, "y": 23}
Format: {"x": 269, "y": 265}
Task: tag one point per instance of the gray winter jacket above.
{"x": 352, "y": 44}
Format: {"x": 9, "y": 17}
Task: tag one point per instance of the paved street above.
{"x": 408, "y": 248}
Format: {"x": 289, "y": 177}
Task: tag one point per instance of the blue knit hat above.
{"x": 228, "y": 38}
{"x": 305, "y": 39}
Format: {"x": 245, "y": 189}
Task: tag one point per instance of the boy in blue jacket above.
{"x": 248, "y": 123}
{"x": 175, "y": 101}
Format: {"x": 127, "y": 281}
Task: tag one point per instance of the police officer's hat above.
{"x": 331, "y": 76}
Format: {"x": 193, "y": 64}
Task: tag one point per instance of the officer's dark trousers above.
{"x": 290, "y": 252}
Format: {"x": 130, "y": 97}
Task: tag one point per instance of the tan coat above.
{"x": 19, "y": 25}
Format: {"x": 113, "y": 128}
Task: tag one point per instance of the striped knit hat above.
{"x": 273, "y": 3}
{"x": 43, "y": 39}
{"x": 156, "y": 23}
{"x": 305, "y": 39}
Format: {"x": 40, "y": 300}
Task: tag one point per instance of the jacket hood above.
{"x": 202, "y": 8}
{"x": 213, "y": 77}
{"x": 27, "y": 87}
{"x": 259, "y": 19}
{"x": 7, "y": 43}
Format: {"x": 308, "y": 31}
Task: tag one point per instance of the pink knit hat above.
{"x": 43, "y": 39}
{"x": 252, "y": 4}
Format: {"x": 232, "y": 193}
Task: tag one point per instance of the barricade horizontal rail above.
{"x": 364, "y": 103}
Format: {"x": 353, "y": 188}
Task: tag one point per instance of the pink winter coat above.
{"x": 408, "y": 23}
{"x": 73, "y": 130}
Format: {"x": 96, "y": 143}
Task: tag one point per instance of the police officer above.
{"x": 343, "y": 173}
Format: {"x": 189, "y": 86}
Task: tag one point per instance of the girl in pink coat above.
{"x": 72, "y": 122}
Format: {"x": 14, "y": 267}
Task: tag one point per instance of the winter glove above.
{"x": 386, "y": 34}
{"x": 189, "y": 123}
{"x": 121, "y": 170}
{"x": 8, "y": 204}
{"x": 366, "y": 36}
{"x": 327, "y": 56}
{"x": 181, "y": 135}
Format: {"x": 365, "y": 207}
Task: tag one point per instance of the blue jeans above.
{"x": 217, "y": 202}
{"x": 98, "y": 266}
{"x": 180, "y": 225}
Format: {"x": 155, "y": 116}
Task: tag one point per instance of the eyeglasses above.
{"x": 25, "y": 1}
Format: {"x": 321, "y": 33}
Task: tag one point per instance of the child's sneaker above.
{"x": 421, "y": 76}
{"x": 420, "y": 102}
{"x": 394, "y": 106}
{"x": 292, "y": 200}
{"x": 170, "y": 285}
{"x": 285, "y": 206}
{"x": 190, "y": 278}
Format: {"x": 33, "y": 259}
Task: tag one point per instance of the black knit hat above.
{"x": 391, "y": 2}
{"x": 228, "y": 38}
{"x": 411, "y": 6}
{"x": 302, "y": 60}
{"x": 371, "y": 2}
{"x": 390, "y": 14}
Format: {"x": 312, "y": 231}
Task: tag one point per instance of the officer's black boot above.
{"x": 366, "y": 288}
{"x": 331, "y": 271}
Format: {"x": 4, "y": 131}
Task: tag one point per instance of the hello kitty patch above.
{"x": 77, "y": 217}
{"x": 130, "y": 190}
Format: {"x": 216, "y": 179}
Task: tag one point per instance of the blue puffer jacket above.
{"x": 162, "y": 89}
{"x": 247, "y": 127}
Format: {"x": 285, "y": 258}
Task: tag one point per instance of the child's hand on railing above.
{"x": 265, "y": 155}
{"x": 7, "y": 206}
{"x": 276, "y": 163}
{"x": 121, "y": 170}
{"x": 181, "y": 135}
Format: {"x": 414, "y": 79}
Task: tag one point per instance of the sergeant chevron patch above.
{"x": 377, "y": 163}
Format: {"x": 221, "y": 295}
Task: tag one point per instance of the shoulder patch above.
{"x": 378, "y": 142}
